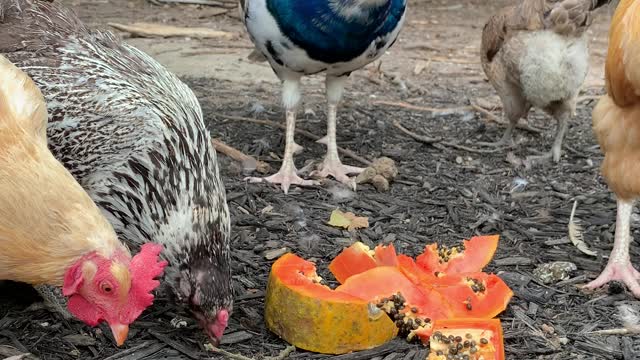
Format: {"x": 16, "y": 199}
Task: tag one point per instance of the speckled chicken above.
{"x": 51, "y": 232}
{"x": 308, "y": 37}
{"x": 133, "y": 135}
{"x": 535, "y": 54}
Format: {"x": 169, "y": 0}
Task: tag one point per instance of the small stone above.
{"x": 458, "y": 159}
{"x": 554, "y": 272}
{"x": 275, "y": 253}
{"x": 178, "y": 323}
{"x": 547, "y": 328}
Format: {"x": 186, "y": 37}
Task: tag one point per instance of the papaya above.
{"x": 469, "y": 257}
{"x": 383, "y": 294}
{"x": 358, "y": 258}
{"x": 466, "y": 338}
{"x": 313, "y": 317}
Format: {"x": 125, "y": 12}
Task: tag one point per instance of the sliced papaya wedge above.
{"x": 314, "y": 317}
{"x": 476, "y": 295}
{"x": 358, "y": 258}
{"x": 472, "y": 256}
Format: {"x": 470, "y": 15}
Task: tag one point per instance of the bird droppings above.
{"x": 423, "y": 204}
{"x": 380, "y": 174}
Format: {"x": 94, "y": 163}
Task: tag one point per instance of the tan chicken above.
{"x": 535, "y": 54}
{"x": 51, "y": 232}
{"x": 616, "y": 123}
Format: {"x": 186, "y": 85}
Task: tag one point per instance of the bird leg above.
{"x": 556, "y": 149}
{"x": 287, "y": 175}
{"x": 332, "y": 164}
{"x": 619, "y": 266}
{"x": 507, "y": 137}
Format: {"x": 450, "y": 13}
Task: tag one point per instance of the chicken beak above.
{"x": 120, "y": 333}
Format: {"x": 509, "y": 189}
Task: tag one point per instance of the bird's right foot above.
{"x": 285, "y": 177}
{"x": 621, "y": 271}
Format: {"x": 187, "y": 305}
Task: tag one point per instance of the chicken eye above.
{"x": 106, "y": 287}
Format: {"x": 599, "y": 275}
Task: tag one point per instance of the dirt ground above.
{"x": 444, "y": 193}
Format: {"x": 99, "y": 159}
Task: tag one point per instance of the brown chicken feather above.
{"x": 535, "y": 54}
{"x": 616, "y": 124}
{"x": 616, "y": 118}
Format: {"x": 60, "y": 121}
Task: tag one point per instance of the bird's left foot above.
{"x": 338, "y": 171}
{"x": 539, "y": 159}
{"x": 620, "y": 271}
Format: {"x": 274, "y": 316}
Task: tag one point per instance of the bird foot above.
{"x": 338, "y": 171}
{"x": 622, "y": 271}
{"x": 285, "y": 177}
{"x": 532, "y": 160}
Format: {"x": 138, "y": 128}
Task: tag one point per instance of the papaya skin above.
{"x": 313, "y": 317}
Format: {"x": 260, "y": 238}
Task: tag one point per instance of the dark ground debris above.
{"x": 441, "y": 194}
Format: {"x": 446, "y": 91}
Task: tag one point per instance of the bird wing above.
{"x": 503, "y": 25}
{"x": 321, "y": 28}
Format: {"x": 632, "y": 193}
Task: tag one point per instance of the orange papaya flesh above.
{"x": 313, "y": 317}
{"x": 469, "y": 257}
{"x": 385, "y": 255}
{"x": 412, "y": 307}
{"x": 413, "y": 272}
{"x": 469, "y": 338}
{"x": 475, "y": 295}
{"x": 359, "y": 258}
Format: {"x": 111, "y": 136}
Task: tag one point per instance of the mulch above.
{"x": 444, "y": 193}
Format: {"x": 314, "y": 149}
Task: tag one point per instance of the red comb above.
{"x": 144, "y": 268}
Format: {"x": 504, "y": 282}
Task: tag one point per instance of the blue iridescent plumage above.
{"x": 326, "y": 35}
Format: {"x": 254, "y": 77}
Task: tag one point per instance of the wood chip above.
{"x": 235, "y": 337}
{"x": 275, "y": 253}
{"x": 80, "y": 340}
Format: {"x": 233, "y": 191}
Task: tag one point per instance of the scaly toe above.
{"x": 339, "y": 172}
{"x": 285, "y": 179}
{"x": 624, "y": 273}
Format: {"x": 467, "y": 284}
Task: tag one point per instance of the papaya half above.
{"x": 314, "y": 317}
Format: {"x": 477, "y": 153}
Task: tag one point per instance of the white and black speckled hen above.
{"x": 133, "y": 136}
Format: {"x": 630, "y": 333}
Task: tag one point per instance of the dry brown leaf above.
{"x": 348, "y": 220}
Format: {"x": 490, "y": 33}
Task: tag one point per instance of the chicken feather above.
{"x": 616, "y": 124}
{"x": 34, "y": 185}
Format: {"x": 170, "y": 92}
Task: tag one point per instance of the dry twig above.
{"x": 229, "y": 355}
{"x": 434, "y": 111}
{"x": 247, "y": 161}
{"x": 151, "y": 30}
{"x": 308, "y": 134}
{"x": 421, "y": 138}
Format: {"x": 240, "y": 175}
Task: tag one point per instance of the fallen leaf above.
{"x": 348, "y": 220}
